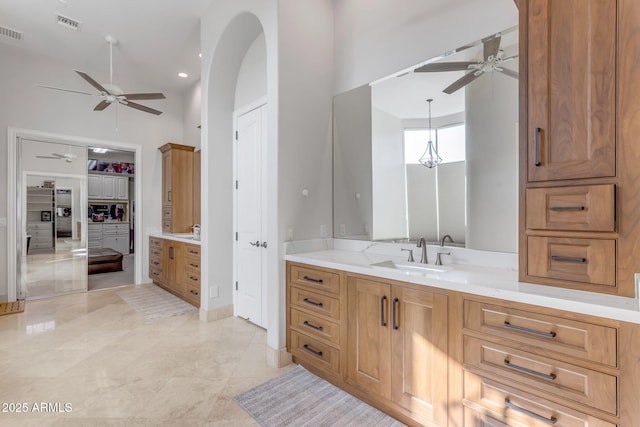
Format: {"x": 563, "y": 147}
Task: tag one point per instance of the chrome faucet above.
{"x": 446, "y": 236}
{"x": 423, "y": 244}
{"x": 196, "y": 231}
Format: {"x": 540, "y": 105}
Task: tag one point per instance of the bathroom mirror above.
{"x": 381, "y": 190}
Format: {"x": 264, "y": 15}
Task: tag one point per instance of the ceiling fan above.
{"x": 492, "y": 60}
{"x": 69, "y": 157}
{"x": 111, "y": 93}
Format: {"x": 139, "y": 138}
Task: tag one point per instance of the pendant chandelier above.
{"x": 430, "y": 157}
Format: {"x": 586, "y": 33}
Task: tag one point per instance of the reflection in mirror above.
{"x": 381, "y": 130}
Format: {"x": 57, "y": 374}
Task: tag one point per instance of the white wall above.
{"x": 375, "y": 38}
{"x": 451, "y": 200}
{"x": 492, "y": 163}
{"x": 191, "y": 116}
{"x": 252, "y": 77}
{"x": 26, "y": 106}
{"x": 422, "y": 202}
{"x": 389, "y": 187}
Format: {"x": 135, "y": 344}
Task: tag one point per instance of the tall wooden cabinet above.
{"x": 579, "y": 155}
{"x": 177, "y": 188}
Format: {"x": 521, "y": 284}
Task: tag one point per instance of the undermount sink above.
{"x": 409, "y": 267}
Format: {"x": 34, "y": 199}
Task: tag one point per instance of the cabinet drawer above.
{"x": 155, "y": 262}
{"x": 166, "y": 226}
{"x": 166, "y": 212}
{"x": 316, "y": 327}
{"x": 580, "y": 208}
{"x": 155, "y": 252}
{"x": 192, "y": 265}
{"x": 315, "y": 352}
{"x": 155, "y": 243}
{"x": 119, "y": 229}
{"x": 192, "y": 251}
{"x": 41, "y": 233}
{"x": 315, "y": 303}
{"x": 192, "y": 294}
{"x": 94, "y": 243}
{"x": 568, "y": 337}
{"x": 192, "y": 279}
{"x": 315, "y": 279}
{"x": 478, "y": 419}
{"x": 579, "y": 260}
{"x": 517, "y": 408}
{"x": 582, "y": 385}
{"x": 155, "y": 274}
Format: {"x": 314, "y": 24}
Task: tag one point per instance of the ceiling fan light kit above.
{"x": 111, "y": 93}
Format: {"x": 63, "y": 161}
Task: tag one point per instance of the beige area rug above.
{"x": 299, "y": 398}
{"x": 11, "y": 307}
{"x": 154, "y": 303}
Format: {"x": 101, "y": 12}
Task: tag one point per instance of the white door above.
{"x": 250, "y": 246}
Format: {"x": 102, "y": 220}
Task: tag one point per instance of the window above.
{"x": 450, "y": 142}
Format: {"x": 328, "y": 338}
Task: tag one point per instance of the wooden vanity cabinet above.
{"x": 177, "y": 188}
{"x": 175, "y": 267}
{"x": 579, "y": 102}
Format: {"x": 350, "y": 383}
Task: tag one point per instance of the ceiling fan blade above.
{"x": 65, "y": 90}
{"x": 444, "y": 66}
{"x": 48, "y": 157}
{"x": 461, "y": 82}
{"x": 509, "y": 58}
{"x": 508, "y": 72}
{"x": 102, "y": 105}
{"x": 144, "y": 96}
{"x": 91, "y": 81}
{"x": 141, "y": 107}
{"x": 491, "y": 46}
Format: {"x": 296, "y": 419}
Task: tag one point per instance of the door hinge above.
{"x": 236, "y": 236}
{"x": 236, "y": 285}
{"x": 236, "y": 135}
{"x": 236, "y": 184}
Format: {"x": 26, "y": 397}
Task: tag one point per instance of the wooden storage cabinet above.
{"x": 175, "y": 266}
{"x": 397, "y": 346}
{"x": 526, "y": 368}
{"x": 177, "y": 188}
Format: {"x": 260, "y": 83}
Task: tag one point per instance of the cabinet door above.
{"x": 95, "y": 186}
{"x": 419, "y": 353}
{"x": 122, "y": 188}
{"x": 172, "y": 251}
{"x": 108, "y": 187}
{"x": 368, "y": 336}
{"x": 571, "y": 89}
{"x": 166, "y": 178}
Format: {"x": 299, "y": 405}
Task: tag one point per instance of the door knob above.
{"x": 264, "y": 244}
{"x": 257, "y": 243}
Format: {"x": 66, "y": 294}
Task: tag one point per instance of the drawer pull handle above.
{"x": 536, "y": 146}
{"x": 309, "y": 349}
{"x": 191, "y": 251}
{"x": 193, "y": 292}
{"x": 194, "y": 265}
{"x": 551, "y": 421}
{"x": 195, "y": 279}
{"x": 394, "y": 315}
{"x": 312, "y": 326}
{"x": 522, "y": 369}
{"x": 156, "y": 263}
{"x": 383, "y": 317}
{"x": 311, "y": 279}
{"x": 529, "y": 331}
{"x": 567, "y": 208}
{"x": 308, "y": 301}
{"x": 568, "y": 259}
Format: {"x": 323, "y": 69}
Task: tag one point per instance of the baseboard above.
{"x": 278, "y": 358}
{"x": 216, "y": 314}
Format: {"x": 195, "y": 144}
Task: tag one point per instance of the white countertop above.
{"x": 478, "y": 280}
{"x": 180, "y": 237}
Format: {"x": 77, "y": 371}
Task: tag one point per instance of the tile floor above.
{"x": 93, "y": 351}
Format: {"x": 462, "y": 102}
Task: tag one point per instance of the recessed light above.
{"x": 99, "y": 150}
{"x": 183, "y": 75}
{"x": 200, "y": 54}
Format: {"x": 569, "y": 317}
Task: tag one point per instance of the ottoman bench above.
{"x": 104, "y": 260}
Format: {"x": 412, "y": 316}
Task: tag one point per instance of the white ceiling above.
{"x": 158, "y": 38}
{"x": 404, "y": 95}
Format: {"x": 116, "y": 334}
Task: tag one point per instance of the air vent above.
{"x": 12, "y": 34}
{"x": 68, "y": 22}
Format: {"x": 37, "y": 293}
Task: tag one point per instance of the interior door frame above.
{"x": 14, "y": 208}
{"x": 258, "y": 103}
